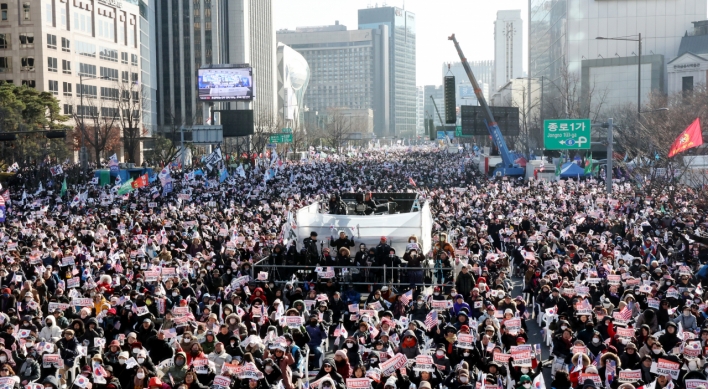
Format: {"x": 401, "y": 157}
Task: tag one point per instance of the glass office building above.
{"x": 401, "y": 27}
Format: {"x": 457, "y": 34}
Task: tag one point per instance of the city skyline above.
{"x": 433, "y": 48}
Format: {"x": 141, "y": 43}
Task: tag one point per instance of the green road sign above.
{"x": 566, "y": 134}
{"x": 281, "y": 138}
{"x": 458, "y": 133}
{"x": 287, "y": 130}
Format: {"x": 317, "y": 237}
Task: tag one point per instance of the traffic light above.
{"x": 7, "y": 137}
{"x": 55, "y": 134}
{"x": 431, "y": 127}
{"x": 450, "y": 103}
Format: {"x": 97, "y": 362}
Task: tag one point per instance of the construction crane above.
{"x": 507, "y": 167}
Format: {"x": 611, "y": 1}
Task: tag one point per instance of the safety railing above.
{"x": 354, "y": 275}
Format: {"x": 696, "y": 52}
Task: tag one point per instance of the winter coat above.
{"x": 50, "y": 333}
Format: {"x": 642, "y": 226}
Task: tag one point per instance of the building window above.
{"x": 29, "y": 83}
{"x": 82, "y": 110}
{"x": 108, "y": 54}
{"x": 68, "y": 109}
{"x": 5, "y": 64}
{"x": 109, "y": 112}
{"x": 686, "y": 85}
{"x": 27, "y": 64}
{"x": 134, "y": 59}
{"x": 54, "y": 87}
{"x": 111, "y": 74}
{"x": 65, "y": 45}
{"x": 3, "y": 11}
{"x": 123, "y": 57}
{"x": 87, "y": 70}
{"x": 125, "y": 76}
{"x": 86, "y": 49}
{"x": 67, "y": 88}
{"x": 52, "y": 64}
{"x": 26, "y": 14}
{"x": 49, "y": 14}
{"x": 88, "y": 90}
{"x": 134, "y": 77}
{"x": 109, "y": 93}
{"x": 62, "y": 16}
{"x": 26, "y": 40}
{"x": 5, "y": 41}
{"x": 66, "y": 66}
{"x": 52, "y": 41}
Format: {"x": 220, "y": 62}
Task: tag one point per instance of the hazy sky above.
{"x": 472, "y": 21}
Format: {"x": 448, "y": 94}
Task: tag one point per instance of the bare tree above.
{"x": 646, "y": 143}
{"x": 338, "y": 128}
{"x": 131, "y": 105}
{"x": 166, "y": 142}
{"x": 263, "y": 127}
{"x": 101, "y": 132}
{"x": 567, "y": 97}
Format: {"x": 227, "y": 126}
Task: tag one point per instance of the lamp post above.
{"x": 83, "y": 157}
{"x": 639, "y": 68}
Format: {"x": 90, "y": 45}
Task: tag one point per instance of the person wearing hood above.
{"x": 459, "y": 304}
{"x": 93, "y": 331}
{"x": 464, "y": 282}
{"x": 351, "y": 347}
{"x": 342, "y": 364}
{"x": 283, "y": 360}
{"x": 649, "y": 318}
{"x": 670, "y": 338}
{"x": 271, "y": 373}
{"x": 419, "y": 309}
{"x": 50, "y": 332}
{"x": 145, "y": 331}
{"x": 317, "y": 334}
{"x": 329, "y": 383}
{"x": 409, "y": 345}
{"x": 30, "y": 370}
{"x": 68, "y": 347}
{"x": 258, "y": 293}
{"x": 159, "y": 348}
{"x": 178, "y": 371}
{"x": 605, "y": 359}
{"x": 329, "y": 366}
{"x": 524, "y": 382}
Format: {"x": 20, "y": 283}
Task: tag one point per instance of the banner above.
{"x": 465, "y": 341}
{"x": 693, "y": 384}
{"x": 424, "y": 362}
{"x": 213, "y": 159}
{"x": 398, "y": 361}
{"x": 666, "y": 367}
{"x": 81, "y": 302}
{"x": 629, "y": 376}
{"x": 221, "y": 382}
{"x": 689, "y": 138}
{"x": 358, "y": 383}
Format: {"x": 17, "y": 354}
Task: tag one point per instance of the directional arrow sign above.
{"x": 566, "y": 134}
{"x": 281, "y": 138}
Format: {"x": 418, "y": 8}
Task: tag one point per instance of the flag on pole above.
{"x": 410, "y": 181}
{"x": 625, "y": 313}
{"x": 538, "y": 382}
{"x": 558, "y": 168}
{"x": 140, "y": 182}
{"x": 691, "y": 137}
{"x": 588, "y": 165}
{"x": 126, "y": 188}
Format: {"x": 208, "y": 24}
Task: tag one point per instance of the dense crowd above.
{"x": 156, "y": 289}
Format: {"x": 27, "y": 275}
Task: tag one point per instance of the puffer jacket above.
{"x": 50, "y": 333}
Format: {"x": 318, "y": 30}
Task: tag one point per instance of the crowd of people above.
{"x": 156, "y": 289}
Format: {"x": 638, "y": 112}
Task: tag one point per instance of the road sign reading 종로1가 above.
{"x": 566, "y": 134}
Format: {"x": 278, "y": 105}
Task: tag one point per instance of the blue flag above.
{"x": 224, "y": 175}
{"x": 2, "y": 214}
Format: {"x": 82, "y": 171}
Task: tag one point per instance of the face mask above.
{"x": 466, "y": 354}
{"x": 136, "y": 350}
{"x": 179, "y": 362}
{"x": 420, "y": 303}
{"x": 596, "y": 340}
{"x": 524, "y": 370}
{"x": 440, "y": 353}
{"x": 140, "y": 375}
{"x": 175, "y": 294}
{"x": 326, "y": 386}
{"x": 436, "y": 294}
{"x": 141, "y": 360}
{"x": 564, "y": 328}
{"x": 656, "y": 351}
{"x": 463, "y": 379}
{"x": 668, "y": 282}
{"x": 527, "y": 385}
{"x": 268, "y": 369}
{"x": 350, "y": 345}
{"x": 121, "y": 361}
{"x": 625, "y": 341}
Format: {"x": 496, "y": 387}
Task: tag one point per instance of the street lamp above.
{"x": 83, "y": 157}
{"x": 639, "y": 68}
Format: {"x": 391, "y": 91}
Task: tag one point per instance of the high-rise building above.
{"x": 563, "y": 44}
{"x": 348, "y": 69}
{"x": 53, "y": 46}
{"x": 148, "y": 63}
{"x": 484, "y": 73}
{"x": 195, "y": 33}
{"x": 419, "y": 110}
{"x": 508, "y": 33}
{"x": 402, "y": 38}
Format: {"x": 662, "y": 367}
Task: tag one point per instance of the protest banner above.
{"x": 250, "y": 371}
{"x": 221, "y": 382}
{"x": 693, "y": 384}
{"x": 294, "y": 321}
{"x": 625, "y": 332}
{"x": 522, "y": 358}
{"x": 666, "y": 367}
{"x": 628, "y": 376}
{"x": 52, "y": 360}
{"x": 358, "y": 383}
{"x": 151, "y": 276}
{"x": 387, "y": 368}
{"x": 501, "y": 357}
{"x": 594, "y": 377}
{"x": 465, "y": 341}
{"x": 424, "y": 363}
{"x": 81, "y": 302}
{"x": 513, "y": 326}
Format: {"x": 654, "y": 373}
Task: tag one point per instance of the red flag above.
{"x": 691, "y": 137}
{"x": 140, "y": 182}
{"x": 410, "y": 181}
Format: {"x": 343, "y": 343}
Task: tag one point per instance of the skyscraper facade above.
{"x": 508, "y": 33}
{"x": 195, "y": 33}
{"x": 402, "y": 38}
{"x": 349, "y": 69}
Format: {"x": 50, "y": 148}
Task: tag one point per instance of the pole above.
{"x": 639, "y": 80}
{"x": 608, "y": 174}
{"x": 542, "y": 100}
{"x": 82, "y": 150}
{"x": 181, "y": 134}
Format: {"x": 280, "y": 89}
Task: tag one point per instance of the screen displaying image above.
{"x": 226, "y": 84}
